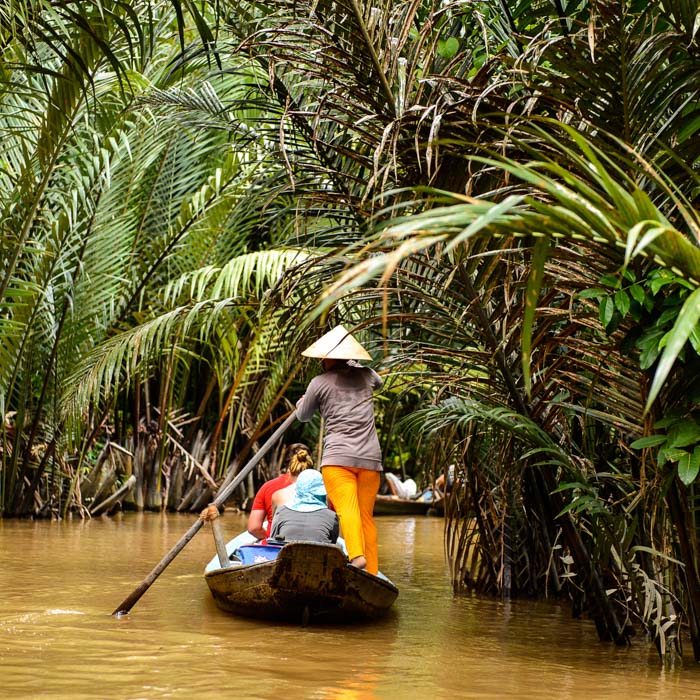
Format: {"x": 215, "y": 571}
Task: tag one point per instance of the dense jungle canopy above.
{"x": 498, "y": 197}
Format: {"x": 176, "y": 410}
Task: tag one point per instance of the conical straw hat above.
{"x": 337, "y": 344}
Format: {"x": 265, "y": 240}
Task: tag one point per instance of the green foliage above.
{"x": 678, "y": 443}
{"x": 498, "y": 197}
{"x": 113, "y": 204}
{"x": 665, "y": 309}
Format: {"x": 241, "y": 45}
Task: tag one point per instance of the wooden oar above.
{"x": 220, "y": 499}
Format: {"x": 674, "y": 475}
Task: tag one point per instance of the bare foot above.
{"x": 360, "y": 562}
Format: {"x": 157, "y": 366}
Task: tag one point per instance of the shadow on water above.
{"x": 60, "y": 581}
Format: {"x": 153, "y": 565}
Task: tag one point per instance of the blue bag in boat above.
{"x": 258, "y": 553}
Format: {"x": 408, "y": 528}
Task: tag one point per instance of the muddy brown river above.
{"x": 59, "y": 582}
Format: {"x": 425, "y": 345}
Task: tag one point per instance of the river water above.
{"x": 59, "y": 582}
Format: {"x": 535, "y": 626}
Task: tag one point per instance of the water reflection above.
{"x": 60, "y": 581}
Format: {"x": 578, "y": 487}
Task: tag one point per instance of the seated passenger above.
{"x": 401, "y": 489}
{"x": 260, "y": 518}
{"x": 299, "y": 459}
{"x": 444, "y": 485}
{"x": 307, "y": 517}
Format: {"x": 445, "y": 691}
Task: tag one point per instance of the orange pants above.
{"x": 352, "y": 491}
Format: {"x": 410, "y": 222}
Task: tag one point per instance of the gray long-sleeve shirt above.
{"x": 344, "y": 398}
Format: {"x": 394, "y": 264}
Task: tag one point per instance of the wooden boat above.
{"x": 393, "y": 505}
{"x": 307, "y": 581}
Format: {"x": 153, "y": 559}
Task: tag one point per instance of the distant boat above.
{"x": 393, "y": 505}
{"x": 298, "y": 582}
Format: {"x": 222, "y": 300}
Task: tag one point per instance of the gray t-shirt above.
{"x": 344, "y": 398}
{"x": 314, "y": 526}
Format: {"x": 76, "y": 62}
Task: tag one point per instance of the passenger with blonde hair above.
{"x": 299, "y": 461}
{"x": 260, "y": 519}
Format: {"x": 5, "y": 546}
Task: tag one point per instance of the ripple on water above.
{"x": 61, "y": 641}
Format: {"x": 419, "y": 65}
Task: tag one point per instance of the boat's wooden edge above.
{"x": 288, "y": 551}
{"x": 240, "y": 567}
{"x": 392, "y": 505}
{"x": 375, "y": 579}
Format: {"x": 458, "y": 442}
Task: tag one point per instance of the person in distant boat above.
{"x": 401, "y": 489}
{"x": 306, "y": 516}
{"x": 444, "y": 485}
{"x": 297, "y": 460}
{"x": 352, "y": 461}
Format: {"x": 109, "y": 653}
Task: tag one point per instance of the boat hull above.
{"x": 307, "y": 582}
{"x": 391, "y": 505}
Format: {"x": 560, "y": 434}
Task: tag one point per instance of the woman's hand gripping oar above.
{"x": 220, "y": 499}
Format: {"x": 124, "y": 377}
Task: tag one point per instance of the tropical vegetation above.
{"x": 498, "y": 198}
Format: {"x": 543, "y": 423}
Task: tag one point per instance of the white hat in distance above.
{"x": 337, "y": 344}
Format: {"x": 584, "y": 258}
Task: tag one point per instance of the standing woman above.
{"x": 352, "y": 461}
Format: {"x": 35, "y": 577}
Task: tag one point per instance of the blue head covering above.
{"x": 309, "y": 492}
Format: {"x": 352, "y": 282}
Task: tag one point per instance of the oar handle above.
{"x": 220, "y": 499}
{"x": 227, "y": 489}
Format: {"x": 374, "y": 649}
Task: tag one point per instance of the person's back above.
{"x": 307, "y": 516}
{"x": 343, "y": 395}
{"x": 261, "y": 512}
{"x": 318, "y": 526}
